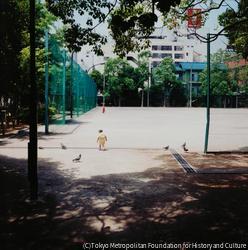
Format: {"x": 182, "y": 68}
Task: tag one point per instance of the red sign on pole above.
{"x": 194, "y": 18}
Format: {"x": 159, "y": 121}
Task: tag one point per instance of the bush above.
{"x": 24, "y": 113}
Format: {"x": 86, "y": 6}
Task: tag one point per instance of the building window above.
{"x": 187, "y": 53}
{"x": 166, "y": 55}
{"x": 155, "y": 64}
{"x": 178, "y": 48}
{"x": 193, "y": 77}
{"x": 166, "y": 48}
{"x": 154, "y": 47}
{"x": 179, "y": 56}
{"x": 156, "y": 55}
{"x": 105, "y": 58}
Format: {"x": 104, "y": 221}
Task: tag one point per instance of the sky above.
{"x": 212, "y": 24}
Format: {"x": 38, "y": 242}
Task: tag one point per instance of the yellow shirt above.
{"x": 101, "y": 139}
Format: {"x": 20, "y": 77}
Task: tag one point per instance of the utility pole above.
{"x": 33, "y": 143}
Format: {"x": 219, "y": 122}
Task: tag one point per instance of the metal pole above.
{"x": 64, "y": 86}
{"x": 208, "y": 93}
{"x": 190, "y": 100}
{"x": 149, "y": 80}
{"x": 46, "y": 85}
{"x": 78, "y": 68}
{"x": 71, "y": 96}
{"x": 33, "y": 143}
{"x": 103, "y": 90}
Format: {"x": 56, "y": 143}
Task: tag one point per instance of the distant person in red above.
{"x": 101, "y": 139}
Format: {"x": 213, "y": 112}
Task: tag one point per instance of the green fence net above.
{"x": 70, "y": 92}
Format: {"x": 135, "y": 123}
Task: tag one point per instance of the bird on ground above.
{"x": 77, "y": 159}
{"x": 63, "y": 146}
{"x": 185, "y": 149}
{"x": 184, "y": 145}
{"x": 166, "y": 148}
{"x": 40, "y": 147}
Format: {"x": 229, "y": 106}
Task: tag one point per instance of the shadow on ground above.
{"x": 159, "y": 205}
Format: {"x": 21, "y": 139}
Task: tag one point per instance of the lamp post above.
{"x": 93, "y": 66}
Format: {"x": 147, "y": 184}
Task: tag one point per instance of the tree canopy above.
{"x": 129, "y": 19}
{"x": 118, "y": 74}
{"x": 165, "y": 74}
{"x": 236, "y": 27}
{"x": 220, "y": 81}
{"x": 15, "y": 48}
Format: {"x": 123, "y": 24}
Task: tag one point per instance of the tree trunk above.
{"x": 119, "y": 101}
{"x": 164, "y": 95}
{"x": 142, "y": 97}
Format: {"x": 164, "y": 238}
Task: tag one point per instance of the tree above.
{"x": 244, "y": 79}
{"x": 136, "y": 18}
{"x": 15, "y": 49}
{"x": 127, "y": 18}
{"x": 97, "y": 77}
{"x": 235, "y": 23}
{"x": 177, "y": 96}
{"x": 118, "y": 74}
{"x": 142, "y": 71}
{"x": 220, "y": 81}
{"x": 156, "y": 95}
{"x": 165, "y": 74}
{"x": 14, "y": 23}
{"x": 75, "y": 35}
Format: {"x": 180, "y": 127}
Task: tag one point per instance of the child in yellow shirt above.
{"x": 102, "y": 138}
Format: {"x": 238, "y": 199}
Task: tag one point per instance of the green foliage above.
{"x": 24, "y": 113}
{"x": 156, "y": 95}
{"x": 136, "y": 18}
{"x": 244, "y": 80}
{"x": 127, "y": 19}
{"x": 14, "y": 25}
{"x": 220, "y": 81}
{"x": 143, "y": 67}
{"x": 165, "y": 74}
{"x": 221, "y": 56}
{"x": 177, "y": 94}
{"x": 118, "y": 74}
{"x": 235, "y": 23}
{"x": 75, "y": 35}
{"x": 15, "y": 48}
{"x": 97, "y": 77}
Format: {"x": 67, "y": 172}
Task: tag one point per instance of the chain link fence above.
{"x": 70, "y": 92}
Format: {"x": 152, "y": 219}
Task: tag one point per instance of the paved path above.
{"x": 133, "y": 192}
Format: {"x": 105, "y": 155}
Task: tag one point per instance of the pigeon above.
{"x": 185, "y": 149}
{"x": 184, "y": 145}
{"x": 63, "y": 146}
{"x": 40, "y": 147}
{"x": 77, "y": 159}
{"x": 166, "y": 148}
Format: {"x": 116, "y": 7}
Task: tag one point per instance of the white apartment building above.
{"x": 165, "y": 43}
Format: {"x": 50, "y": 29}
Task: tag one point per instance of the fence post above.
{"x": 46, "y": 85}
{"x": 208, "y": 92}
{"x": 64, "y": 58}
{"x": 78, "y": 68}
{"x": 71, "y": 97}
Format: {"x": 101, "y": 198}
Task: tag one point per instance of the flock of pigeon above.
{"x": 183, "y": 146}
{"x": 79, "y": 157}
{"x": 64, "y": 147}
